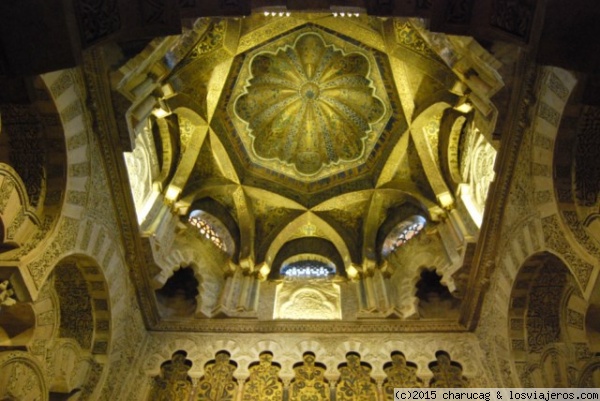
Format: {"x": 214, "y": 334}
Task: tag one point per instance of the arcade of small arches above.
{"x": 311, "y": 378}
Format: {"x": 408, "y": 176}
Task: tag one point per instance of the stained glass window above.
{"x": 402, "y": 233}
{"x": 209, "y": 227}
{"x": 307, "y": 268}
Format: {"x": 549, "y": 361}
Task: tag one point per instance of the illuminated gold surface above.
{"x": 308, "y": 127}
{"x": 317, "y": 299}
{"x": 309, "y": 104}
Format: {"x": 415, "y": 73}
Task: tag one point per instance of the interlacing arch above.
{"x": 550, "y": 336}
{"x": 33, "y": 164}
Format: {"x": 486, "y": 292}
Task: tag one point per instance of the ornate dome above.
{"x": 309, "y": 104}
{"x": 309, "y": 109}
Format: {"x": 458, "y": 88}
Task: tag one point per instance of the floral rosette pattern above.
{"x": 309, "y": 104}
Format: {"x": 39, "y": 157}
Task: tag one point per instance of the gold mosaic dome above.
{"x": 309, "y": 104}
{"x": 309, "y": 109}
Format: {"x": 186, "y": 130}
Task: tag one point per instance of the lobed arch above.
{"x": 195, "y": 353}
{"x": 18, "y": 217}
{"x": 288, "y": 351}
{"x": 425, "y": 250}
{"x": 209, "y": 272}
{"x": 179, "y": 296}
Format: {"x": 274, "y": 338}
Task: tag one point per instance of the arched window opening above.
{"x": 212, "y": 229}
{"x": 402, "y": 233}
{"x": 308, "y": 290}
{"x": 435, "y": 300}
{"x": 178, "y": 296}
{"x": 307, "y": 267}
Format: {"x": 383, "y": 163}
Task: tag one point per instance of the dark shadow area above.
{"x": 178, "y": 296}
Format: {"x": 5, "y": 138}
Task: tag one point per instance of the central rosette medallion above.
{"x": 310, "y": 105}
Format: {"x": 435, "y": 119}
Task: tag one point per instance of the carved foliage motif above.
{"x": 482, "y": 172}
{"x": 407, "y": 36}
{"x": 308, "y": 299}
{"x": 99, "y": 18}
{"x": 173, "y": 384}
{"x": 27, "y": 153}
{"x": 355, "y": 382}
{"x": 556, "y": 85}
{"x": 76, "y": 319}
{"x": 212, "y": 39}
{"x": 400, "y": 374}
{"x": 549, "y": 114}
{"x": 20, "y": 379}
{"x": 263, "y": 383}
{"x": 579, "y": 232}
{"x": 587, "y": 168}
{"x": 309, "y": 382}
{"x": 218, "y": 383}
{"x": 92, "y": 380}
{"x": 575, "y": 319}
{"x": 6, "y": 190}
{"x": 557, "y": 241}
{"x": 543, "y": 325}
{"x": 446, "y": 373}
{"x": 514, "y": 17}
